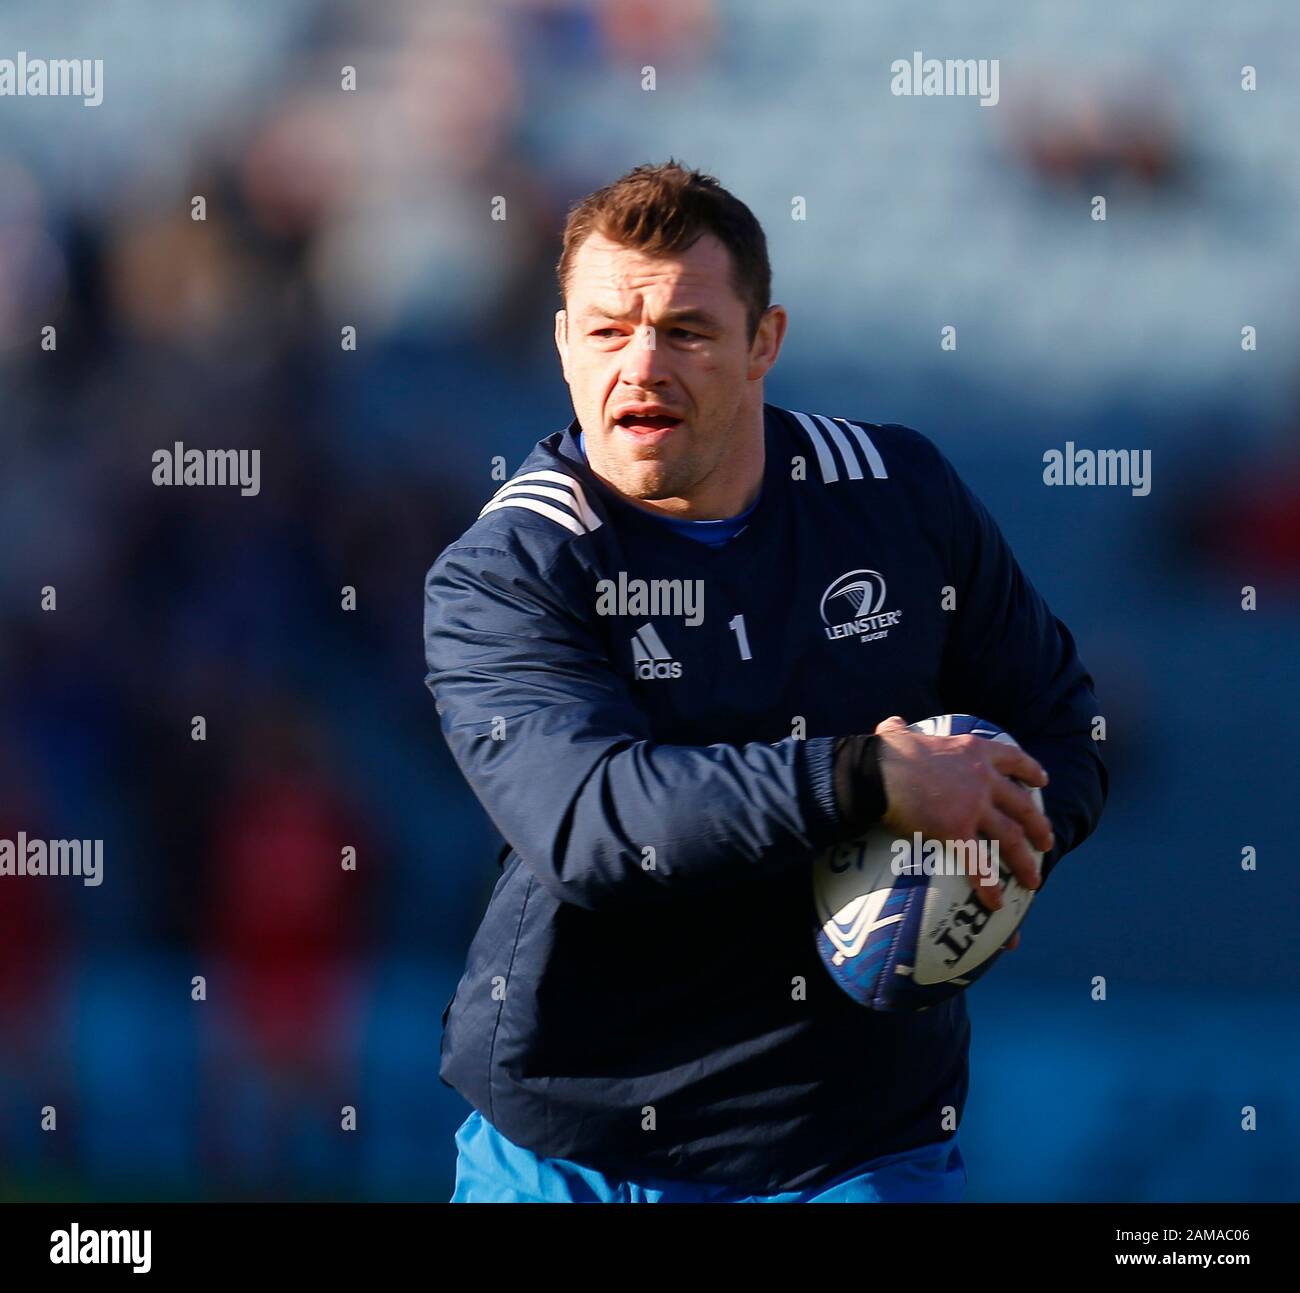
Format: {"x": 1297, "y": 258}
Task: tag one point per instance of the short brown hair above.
{"x": 667, "y": 208}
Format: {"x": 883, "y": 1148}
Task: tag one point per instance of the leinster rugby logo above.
{"x": 851, "y": 607}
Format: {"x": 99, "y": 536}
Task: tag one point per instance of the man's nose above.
{"x": 642, "y": 365}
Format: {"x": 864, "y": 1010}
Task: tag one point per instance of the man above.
{"x": 643, "y": 669}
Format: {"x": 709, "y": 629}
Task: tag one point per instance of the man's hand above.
{"x": 959, "y": 787}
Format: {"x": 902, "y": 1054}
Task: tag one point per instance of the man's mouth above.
{"x": 647, "y": 423}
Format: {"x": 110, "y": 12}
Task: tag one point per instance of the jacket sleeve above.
{"x": 549, "y": 737}
{"x": 1010, "y": 660}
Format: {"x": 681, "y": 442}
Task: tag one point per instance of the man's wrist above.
{"x": 859, "y": 782}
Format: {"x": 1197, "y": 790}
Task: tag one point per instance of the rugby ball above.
{"x": 899, "y": 925}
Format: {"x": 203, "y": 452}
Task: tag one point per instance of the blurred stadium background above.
{"x": 371, "y": 208}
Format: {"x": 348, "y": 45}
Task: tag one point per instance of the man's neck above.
{"x": 732, "y": 487}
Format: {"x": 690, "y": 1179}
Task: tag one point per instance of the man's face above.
{"x": 660, "y": 367}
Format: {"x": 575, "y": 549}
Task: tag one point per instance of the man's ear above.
{"x": 767, "y": 342}
{"x": 562, "y": 340}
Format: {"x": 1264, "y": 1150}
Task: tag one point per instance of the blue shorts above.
{"x": 492, "y": 1169}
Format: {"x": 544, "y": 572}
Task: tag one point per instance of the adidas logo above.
{"x": 650, "y": 658}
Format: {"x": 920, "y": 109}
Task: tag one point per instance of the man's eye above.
{"x": 684, "y": 332}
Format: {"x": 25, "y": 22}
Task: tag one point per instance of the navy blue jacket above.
{"x": 644, "y": 994}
